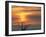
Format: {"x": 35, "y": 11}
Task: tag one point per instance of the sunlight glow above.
{"x": 22, "y": 16}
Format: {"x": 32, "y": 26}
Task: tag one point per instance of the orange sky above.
{"x": 20, "y": 13}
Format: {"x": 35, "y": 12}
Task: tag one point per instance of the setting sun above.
{"x": 22, "y": 16}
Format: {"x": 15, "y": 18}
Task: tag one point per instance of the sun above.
{"x": 22, "y": 15}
